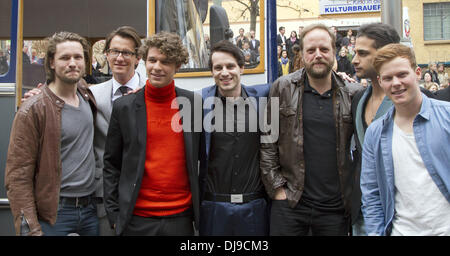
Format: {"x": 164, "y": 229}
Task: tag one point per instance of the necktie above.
{"x": 123, "y": 90}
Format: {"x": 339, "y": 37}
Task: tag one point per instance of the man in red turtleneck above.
{"x": 150, "y": 163}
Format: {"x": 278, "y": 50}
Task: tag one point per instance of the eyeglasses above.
{"x": 115, "y": 53}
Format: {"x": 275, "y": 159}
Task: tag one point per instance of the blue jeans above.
{"x": 71, "y": 219}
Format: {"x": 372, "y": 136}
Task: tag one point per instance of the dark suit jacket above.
{"x": 443, "y": 94}
{"x": 125, "y": 149}
{"x": 280, "y": 40}
{"x": 256, "y": 48}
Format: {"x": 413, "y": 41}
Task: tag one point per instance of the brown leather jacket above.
{"x": 282, "y": 163}
{"x": 33, "y": 166}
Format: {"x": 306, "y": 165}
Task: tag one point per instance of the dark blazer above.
{"x": 125, "y": 149}
{"x": 443, "y": 94}
{"x": 280, "y": 40}
{"x": 256, "y": 48}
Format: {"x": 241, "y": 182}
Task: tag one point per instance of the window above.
{"x": 436, "y": 21}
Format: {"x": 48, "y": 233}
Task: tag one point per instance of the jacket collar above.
{"x": 81, "y": 88}
{"x": 424, "y": 111}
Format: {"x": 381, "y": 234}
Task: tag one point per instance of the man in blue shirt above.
{"x": 410, "y": 144}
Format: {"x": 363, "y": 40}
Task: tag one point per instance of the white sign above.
{"x": 349, "y": 6}
{"x": 406, "y": 24}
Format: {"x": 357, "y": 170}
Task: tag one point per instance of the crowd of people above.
{"x": 133, "y": 156}
{"x": 434, "y": 76}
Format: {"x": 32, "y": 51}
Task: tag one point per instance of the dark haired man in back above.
{"x": 368, "y": 104}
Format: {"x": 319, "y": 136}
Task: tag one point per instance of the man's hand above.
{"x": 134, "y": 91}
{"x": 34, "y": 91}
{"x": 280, "y": 194}
{"x": 346, "y": 77}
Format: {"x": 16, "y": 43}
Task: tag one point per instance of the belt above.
{"x": 233, "y": 198}
{"x": 82, "y": 201}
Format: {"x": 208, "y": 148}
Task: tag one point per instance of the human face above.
{"x": 227, "y": 74}
{"x": 427, "y": 77}
{"x": 318, "y": 53}
{"x": 433, "y": 88}
{"x": 160, "y": 71}
{"x": 364, "y": 54}
{"x": 433, "y": 67}
{"x": 364, "y": 82}
{"x": 122, "y": 68}
{"x": 400, "y": 82}
{"x": 69, "y": 63}
{"x": 252, "y": 34}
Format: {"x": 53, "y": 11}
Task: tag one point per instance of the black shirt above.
{"x": 233, "y": 166}
{"x": 322, "y": 187}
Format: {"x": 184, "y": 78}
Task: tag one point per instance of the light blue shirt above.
{"x": 432, "y": 133}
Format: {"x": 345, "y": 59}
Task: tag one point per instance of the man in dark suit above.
{"x": 281, "y": 38}
{"x": 254, "y": 46}
{"x": 150, "y": 162}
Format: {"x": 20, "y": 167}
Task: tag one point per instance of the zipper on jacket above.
{"x": 24, "y": 225}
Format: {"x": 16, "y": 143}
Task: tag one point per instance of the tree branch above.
{"x": 300, "y": 10}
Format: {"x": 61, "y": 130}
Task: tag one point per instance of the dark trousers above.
{"x": 229, "y": 219}
{"x": 303, "y": 220}
{"x": 173, "y": 225}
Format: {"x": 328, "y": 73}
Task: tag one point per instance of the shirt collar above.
{"x": 308, "y": 88}
{"x": 425, "y": 107}
{"x": 133, "y": 84}
{"x": 223, "y": 98}
{"x": 424, "y": 110}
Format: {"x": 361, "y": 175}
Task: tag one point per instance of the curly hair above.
{"x": 169, "y": 44}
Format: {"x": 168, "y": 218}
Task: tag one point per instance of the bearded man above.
{"x": 307, "y": 171}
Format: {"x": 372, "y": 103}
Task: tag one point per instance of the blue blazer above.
{"x": 255, "y": 92}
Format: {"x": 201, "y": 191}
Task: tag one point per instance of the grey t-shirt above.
{"x": 77, "y": 151}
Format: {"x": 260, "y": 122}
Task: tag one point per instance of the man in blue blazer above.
{"x": 233, "y": 200}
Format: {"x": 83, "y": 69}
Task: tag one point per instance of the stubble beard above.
{"x": 68, "y": 80}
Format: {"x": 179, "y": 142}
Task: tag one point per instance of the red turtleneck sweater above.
{"x": 165, "y": 186}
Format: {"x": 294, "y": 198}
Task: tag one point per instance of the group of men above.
{"x": 248, "y": 45}
{"x": 166, "y": 161}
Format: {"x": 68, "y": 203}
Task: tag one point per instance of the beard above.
{"x": 69, "y": 80}
{"x": 316, "y": 72}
